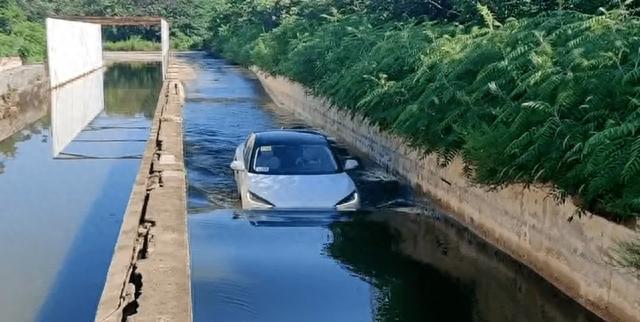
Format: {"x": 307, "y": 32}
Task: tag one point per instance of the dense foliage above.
{"x": 553, "y": 98}
{"x": 18, "y": 35}
{"x": 135, "y": 43}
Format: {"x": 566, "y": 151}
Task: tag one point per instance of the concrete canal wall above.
{"x": 527, "y": 224}
{"x": 148, "y": 279}
{"x": 7, "y": 63}
{"x": 24, "y": 98}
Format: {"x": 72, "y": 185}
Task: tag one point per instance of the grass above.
{"x": 135, "y": 43}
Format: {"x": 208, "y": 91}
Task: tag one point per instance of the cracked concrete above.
{"x": 148, "y": 278}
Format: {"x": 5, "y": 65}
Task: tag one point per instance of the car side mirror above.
{"x": 350, "y": 164}
{"x": 237, "y": 165}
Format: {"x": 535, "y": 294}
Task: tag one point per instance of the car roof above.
{"x": 289, "y": 137}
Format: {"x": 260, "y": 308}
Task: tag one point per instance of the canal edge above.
{"x": 149, "y": 274}
{"x": 524, "y": 223}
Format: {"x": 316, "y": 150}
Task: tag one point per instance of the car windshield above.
{"x": 293, "y": 159}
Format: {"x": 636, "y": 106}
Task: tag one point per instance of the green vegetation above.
{"x": 22, "y": 23}
{"x": 547, "y": 97}
{"x": 627, "y": 254}
{"x": 135, "y": 43}
{"x": 18, "y": 36}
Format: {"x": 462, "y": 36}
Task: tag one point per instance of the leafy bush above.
{"x": 19, "y": 36}
{"x": 548, "y": 99}
{"x": 135, "y": 43}
{"x": 9, "y": 46}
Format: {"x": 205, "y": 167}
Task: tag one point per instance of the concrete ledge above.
{"x": 525, "y": 223}
{"x": 7, "y": 63}
{"x": 131, "y": 56}
{"x": 149, "y": 276}
{"x": 24, "y": 98}
{"x": 22, "y": 78}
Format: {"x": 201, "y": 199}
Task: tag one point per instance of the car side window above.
{"x": 248, "y": 147}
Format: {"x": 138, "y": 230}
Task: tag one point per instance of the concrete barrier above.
{"x": 24, "y": 98}
{"x": 7, "y": 63}
{"x": 21, "y": 78}
{"x": 165, "y": 46}
{"x": 526, "y": 223}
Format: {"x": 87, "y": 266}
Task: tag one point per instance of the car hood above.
{"x": 302, "y": 191}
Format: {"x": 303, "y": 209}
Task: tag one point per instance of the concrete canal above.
{"x": 401, "y": 260}
{"x": 64, "y": 186}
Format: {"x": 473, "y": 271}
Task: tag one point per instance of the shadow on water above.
{"x": 62, "y": 216}
{"x": 401, "y": 261}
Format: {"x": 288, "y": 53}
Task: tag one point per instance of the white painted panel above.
{"x": 73, "y": 49}
{"x": 73, "y": 106}
{"x": 164, "y": 36}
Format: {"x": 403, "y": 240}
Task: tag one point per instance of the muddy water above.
{"x": 399, "y": 261}
{"x": 64, "y": 186}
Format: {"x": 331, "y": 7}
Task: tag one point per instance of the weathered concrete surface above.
{"x": 131, "y": 56}
{"x": 24, "y": 98}
{"x": 525, "y": 223}
{"x": 73, "y": 50}
{"x": 7, "y": 63}
{"x": 21, "y": 78}
{"x": 149, "y": 279}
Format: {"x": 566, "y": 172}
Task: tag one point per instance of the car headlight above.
{"x": 255, "y": 199}
{"x": 352, "y": 198}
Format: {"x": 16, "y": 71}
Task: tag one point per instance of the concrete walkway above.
{"x": 148, "y": 278}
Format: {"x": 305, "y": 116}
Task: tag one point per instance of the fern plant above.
{"x": 551, "y": 99}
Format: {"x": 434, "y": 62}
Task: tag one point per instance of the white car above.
{"x": 294, "y": 170}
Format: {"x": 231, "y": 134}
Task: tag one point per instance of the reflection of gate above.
{"x": 73, "y": 106}
{"x": 74, "y": 44}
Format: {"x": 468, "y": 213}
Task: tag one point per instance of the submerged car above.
{"x": 295, "y": 170}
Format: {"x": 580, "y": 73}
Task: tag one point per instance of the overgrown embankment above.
{"x": 549, "y": 99}
{"x": 19, "y": 36}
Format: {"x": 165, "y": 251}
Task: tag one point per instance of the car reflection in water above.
{"x": 270, "y": 218}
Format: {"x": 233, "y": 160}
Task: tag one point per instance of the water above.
{"x": 403, "y": 261}
{"x": 64, "y": 187}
